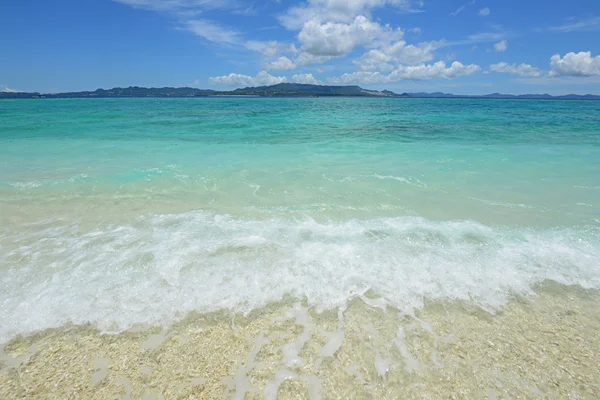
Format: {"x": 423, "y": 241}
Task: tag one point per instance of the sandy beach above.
{"x": 546, "y": 346}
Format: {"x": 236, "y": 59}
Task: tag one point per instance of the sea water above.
{"x": 121, "y": 212}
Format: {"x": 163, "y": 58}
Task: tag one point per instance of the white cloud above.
{"x": 212, "y": 31}
{"x": 438, "y": 70}
{"x": 239, "y": 80}
{"x": 416, "y": 30}
{"x": 321, "y": 42}
{"x": 373, "y": 60}
{"x": 197, "y": 82}
{"x": 386, "y": 57}
{"x": 458, "y": 11}
{"x": 305, "y": 79}
{"x": 341, "y": 10}
{"x": 338, "y": 39}
{"x": 411, "y": 54}
{"x": 308, "y": 59}
{"x": 185, "y": 12}
{"x": 267, "y": 49}
{"x": 461, "y": 8}
{"x": 501, "y": 46}
{"x": 588, "y": 24}
{"x": 9, "y": 90}
{"x": 282, "y": 63}
{"x": 249, "y": 11}
{"x": 481, "y": 37}
{"x": 514, "y": 69}
{"x": 270, "y": 48}
{"x": 484, "y": 12}
{"x": 365, "y": 77}
{"x": 575, "y": 64}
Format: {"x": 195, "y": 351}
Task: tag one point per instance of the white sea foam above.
{"x": 26, "y": 185}
{"x": 501, "y": 204}
{"x": 352, "y": 178}
{"x": 253, "y": 186}
{"x": 409, "y": 181}
{"x": 78, "y": 178}
{"x": 160, "y": 267}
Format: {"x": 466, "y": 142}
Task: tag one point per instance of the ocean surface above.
{"x": 119, "y": 212}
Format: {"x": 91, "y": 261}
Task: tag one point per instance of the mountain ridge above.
{"x": 278, "y": 90}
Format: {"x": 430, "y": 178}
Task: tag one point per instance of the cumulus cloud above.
{"x": 267, "y": 49}
{"x": 411, "y": 54}
{"x": 375, "y": 60}
{"x": 365, "y": 77}
{"x": 575, "y": 64}
{"x": 484, "y": 12}
{"x": 9, "y": 90}
{"x": 238, "y": 80}
{"x": 282, "y": 63}
{"x": 386, "y": 57}
{"x": 340, "y": 10}
{"x": 438, "y": 70}
{"x": 321, "y": 42}
{"x": 270, "y": 48}
{"x": 514, "y": 69}
{"x": 338, "y": 39}
{"x": 501, "y": 46}
{"x": 305, "y": 79}
{"x": 309, "y": 59}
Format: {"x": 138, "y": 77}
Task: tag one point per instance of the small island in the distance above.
{"x": 279, "y": 90}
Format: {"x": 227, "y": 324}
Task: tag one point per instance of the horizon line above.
{"x": 17, "y": 93}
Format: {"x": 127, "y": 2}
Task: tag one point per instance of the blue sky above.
{"x": 463, "y": 47}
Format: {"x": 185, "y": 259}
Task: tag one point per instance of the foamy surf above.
{"x": 159, "y": 268}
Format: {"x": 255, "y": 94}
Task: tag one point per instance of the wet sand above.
{"x": 544, "y": 346}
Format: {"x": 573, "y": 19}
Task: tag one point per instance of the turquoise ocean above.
{"x": 118, "y": 212}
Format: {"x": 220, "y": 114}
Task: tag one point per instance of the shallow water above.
{"x": 546, "y": 347}
{"x": 128, "y": 212}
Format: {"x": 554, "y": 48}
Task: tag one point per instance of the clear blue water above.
{"x": 119, "y": 211}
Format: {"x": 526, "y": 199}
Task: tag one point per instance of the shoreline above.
{"x": 547, "y": 345}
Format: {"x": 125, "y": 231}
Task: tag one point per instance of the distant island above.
{"x": 279, "y": 90}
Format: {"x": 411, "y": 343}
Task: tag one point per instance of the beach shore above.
{"x": 544, "y": 346}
